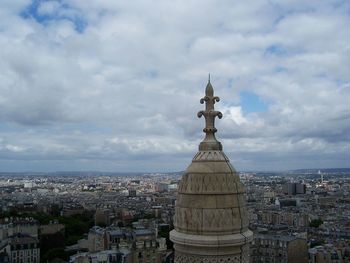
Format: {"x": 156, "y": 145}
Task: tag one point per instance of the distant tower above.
{"x": 321, "y": 174}
{"x": 211, "y": 223}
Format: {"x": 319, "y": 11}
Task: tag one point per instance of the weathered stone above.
{"x": 211, "y": 223}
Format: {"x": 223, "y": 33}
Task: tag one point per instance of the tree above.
{"x": 316, "y": 223}
{"x": 54, "y": 253}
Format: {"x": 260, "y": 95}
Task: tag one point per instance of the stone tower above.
{"x": 211, "y": 223}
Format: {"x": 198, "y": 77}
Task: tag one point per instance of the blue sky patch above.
{"x": 280, "y": 69}
{"x": 64, "y": 12}
{"x": 250, "y": 102}
{"x": 152, "y": 73}
{"x": 277, "y": 50}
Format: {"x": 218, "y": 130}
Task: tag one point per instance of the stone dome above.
{"x": 211, "y": 198}
{"x": 211, "y": 223}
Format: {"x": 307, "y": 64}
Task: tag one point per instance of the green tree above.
{"x": 166, "y": 234}
{"x": 316, "y": 223}
{"x": 54, "y": 253}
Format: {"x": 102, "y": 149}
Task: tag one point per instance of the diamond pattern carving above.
{"x": 210, "y": 184}
{"x": 208, "y": 220}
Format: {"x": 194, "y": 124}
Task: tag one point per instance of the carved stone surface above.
{"x": 243, "y": 257}
{"x": 211, "y": 223}
{"x": 185, "y": 258}
{"x": 217, "y": 156}
{"x": 210, "y": 184}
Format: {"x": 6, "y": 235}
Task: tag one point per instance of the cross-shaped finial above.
{"x": 210, "y": 142}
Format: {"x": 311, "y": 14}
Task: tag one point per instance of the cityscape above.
{"x": 106, "y": 217}
{"x": 186, "y": 131}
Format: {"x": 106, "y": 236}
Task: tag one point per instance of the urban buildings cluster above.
{"x": 295, "y": 217}
{"x": 299, "y": 217}
{"x": 131, "y": 215}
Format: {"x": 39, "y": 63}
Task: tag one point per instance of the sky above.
{"x": 104, "y": 85}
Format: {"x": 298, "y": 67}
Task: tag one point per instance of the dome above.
{"x": 210, "y": 222}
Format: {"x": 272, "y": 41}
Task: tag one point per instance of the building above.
{"x": 107, "y": 256}
{"x": 97, "y": 239}
{"x": 114, "y": 244}
{"x": 21, "y": 248}
{"x": 327, "y": 254}
{"x": 294, "y": 188}
{"x": 72, "y": 209}
{"x": 161, "y": 187}
{"x": 132, "y": 192}
{"x": 211, "y": 223}
{"x": 103, "y": 217}
{"x": 283, "y": 217}
{"x": 145, "y": 246}
{"x": 268, "y": 248}
{"x": 19, "y": 241}
{"x": 19, "y": 226}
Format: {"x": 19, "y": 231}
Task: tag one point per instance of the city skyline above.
{"x": 116, "y": 86}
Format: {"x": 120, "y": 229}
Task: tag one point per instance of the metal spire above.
{"x": 209, "y": 142}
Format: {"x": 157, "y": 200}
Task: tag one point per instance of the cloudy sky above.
{"x": 115, "y": 85}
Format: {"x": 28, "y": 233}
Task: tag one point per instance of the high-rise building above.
{"x": 294, "y": 188}
{"x": 211, "y": 223}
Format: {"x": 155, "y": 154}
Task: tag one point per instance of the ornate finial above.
{"x": 209, "y": 78}
{"x": 209, "y": 142}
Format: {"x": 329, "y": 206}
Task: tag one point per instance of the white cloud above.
{"x": 48, "y": 8}
{"x": 136, "y": 71}
{"x": 14, "y": 148}
{"x": 235, "y": 114}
